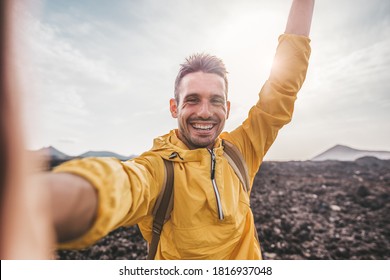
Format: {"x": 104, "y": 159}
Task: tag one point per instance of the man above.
{"x": 211, "y": 218}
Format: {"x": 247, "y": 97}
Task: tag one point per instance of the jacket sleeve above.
{"x": 276, "y": 101}
{"x": 126, "y": 192}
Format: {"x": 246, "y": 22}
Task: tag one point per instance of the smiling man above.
{"x": 200, "y": 102}
{"x": 211, "y": 216}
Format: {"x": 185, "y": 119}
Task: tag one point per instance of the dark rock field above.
{"x": 303, "y": 210}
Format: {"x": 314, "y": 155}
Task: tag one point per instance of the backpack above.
{"x": 164, "y": 203}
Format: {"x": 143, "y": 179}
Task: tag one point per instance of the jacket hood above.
{"x": 170, "y": 147}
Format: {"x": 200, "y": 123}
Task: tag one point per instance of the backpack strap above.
{"x": 163, "y": 208}
{"x": 237, "y": 162}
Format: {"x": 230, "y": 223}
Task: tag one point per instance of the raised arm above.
{"x": 299, "y": 19}
{"x": 276, "y": 98}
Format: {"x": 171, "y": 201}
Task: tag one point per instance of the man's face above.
{"x": 202, "y": 109}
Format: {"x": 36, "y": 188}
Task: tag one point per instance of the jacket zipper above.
{"x": 217, "y": 196}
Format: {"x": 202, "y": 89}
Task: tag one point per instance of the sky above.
{"x": 98, "y": 75}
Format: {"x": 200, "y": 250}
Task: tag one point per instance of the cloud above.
{"x": 355, "y": 82}
{"x": 107, "y": 70}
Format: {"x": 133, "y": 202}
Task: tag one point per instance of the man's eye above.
{"x": 217, "y": 101}
{"x": 192, "y": 100}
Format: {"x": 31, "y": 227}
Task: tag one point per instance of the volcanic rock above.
{"x": 302, "y": 210}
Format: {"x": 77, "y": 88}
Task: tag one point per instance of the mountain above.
{"x": 57, "y": 155}
{"x": 345, "y": 153}
{"x": 104, "y": 154}
{"x": 54, "y": 154}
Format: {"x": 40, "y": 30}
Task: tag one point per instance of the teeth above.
{"x": 203, "y": 126}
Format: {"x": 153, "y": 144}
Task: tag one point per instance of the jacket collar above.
{"x": 169, "y": 146}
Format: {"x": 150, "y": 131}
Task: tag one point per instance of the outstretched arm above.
{"x": 73, "y": 204}
{"x": 299, "y": 19}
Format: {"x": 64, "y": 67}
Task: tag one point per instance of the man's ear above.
{"x": 173, "y": 107}
{"x": 227, "y": 109}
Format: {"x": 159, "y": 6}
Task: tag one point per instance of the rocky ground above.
{"x": 303, "y": 210}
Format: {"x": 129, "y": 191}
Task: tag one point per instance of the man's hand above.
{"x": 299, "y": 19}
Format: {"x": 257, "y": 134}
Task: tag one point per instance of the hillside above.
{"x": 103, "y": 154}
{"x": 54, "y": 154}
{"x": 57, "y": 157}
{"x": 345, "y": 153}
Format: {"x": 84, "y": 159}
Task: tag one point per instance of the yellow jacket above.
{"x": 208, "y": 221}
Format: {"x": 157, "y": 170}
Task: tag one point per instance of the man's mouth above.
{"x": 200, "y": 126}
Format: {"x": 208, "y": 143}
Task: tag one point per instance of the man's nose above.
{"x": 205, "y": 110}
